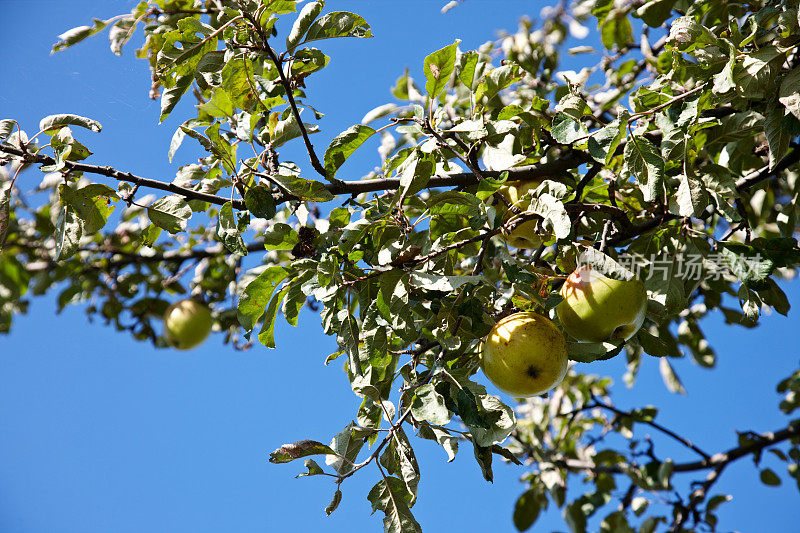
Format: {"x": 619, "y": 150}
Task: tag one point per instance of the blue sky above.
{"x": 101, "y": 433}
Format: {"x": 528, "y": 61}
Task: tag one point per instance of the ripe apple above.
{"x": 525, "y": 235}
{"x": 601, "y": 309}
{"x": 187, "y": 324}
{"x": 524, "y": 355}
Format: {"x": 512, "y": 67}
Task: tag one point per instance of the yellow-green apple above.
{"x": 187, "y": 324}
{"x": 524, "y": 235}
{"x": 601, "y": 309}
{"x": 524, "y": 355}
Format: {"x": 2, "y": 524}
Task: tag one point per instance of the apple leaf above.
{"x": 256, "y": 295}
{"x": 390, "y": 496}
{"x": 296, "y": 450}
{"x": 343, "y": 147}
{"x": 313, "y": 469}
{"x": 171, "y": 213}
{"x": 345, "y": 446}
{"x": 67, "y": 234}
{"x": 438, "y": 67}
{"x": 228, "y": 232}
{"x": 305, "y": 18}
{"x": 338, "y": 24}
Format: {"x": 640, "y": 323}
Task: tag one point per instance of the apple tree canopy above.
{"x": 671, "y": 156}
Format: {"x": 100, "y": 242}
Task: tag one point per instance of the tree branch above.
{"x": 654, "y": 425}
{"x": 122, "y": 176}
{"x": 312, "y": 155}
{"x": 715, "y": 461}
{"x": 569, "y": 161}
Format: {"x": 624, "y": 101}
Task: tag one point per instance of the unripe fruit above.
{"x": 187, "y": 324}
{"x": 601, "y": 309}
{"x": 525, "y": 235}
{"x": 524, "y": 355}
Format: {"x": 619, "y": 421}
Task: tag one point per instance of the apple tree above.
{"x": 671, "y": 156}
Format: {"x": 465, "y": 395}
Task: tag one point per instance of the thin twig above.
{"x": 287, "y": 86}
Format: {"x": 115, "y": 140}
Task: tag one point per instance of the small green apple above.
{"x": 601, "y": 309}
{"x": 187, "y": 324}
{"x": 525, "y": 235}
{"x": 524, "y": 355}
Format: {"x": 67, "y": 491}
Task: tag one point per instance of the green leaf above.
{"x": 267, "y": 334}
{"x": 313, "y": 469}
{"x": 6, "y": 127}
{"x": 379, "y": 112}
{"x": 575, "y": 517}
{"x": 466, "y": 68}
{"x": 526, "y": 509}
{"x": 50, "y": 124}
{"x": 346, "y": 446}
{"x": 183, "y": 48}
{"x": 768, "y": 477}
{"x": 757, "y": 71}
{"x": 500, "y": 417}
{"x": 551, "y": 209}
{"x": 567, "y": 130}
{"x": 496, "y": 80}
{"x": 780, "y": 129}
{"x": 295, "y": 297}
{"x": 746, "y": 262}
{"x": 483, "y": 456}
{"x": 76, "y": 35}
{"x": 434, "y": 282}
{"x": 209, "y": 70}
{"x": 67, "y": 235}
{"x": 616, "y": 31}
{"x": 5, "y": 214}
{"x": 307, "y": 16}
{"x": 429, "y": 405}
{"x": 603, "y": 143}
{"x": 170, "y": 213}
{"x": 347, "y": 336}
{"x": 308, "y": 61}
{"x": 90, "y": 203}
{"x": 338, "y": 24}
{"x": 343, "y": 147}
{"x": 335, "y": 501}
{"x": 789, "y": 94}
{"x": 287, "y": 129}
{"x": 690, "y": 196}
{"x": 587, "y": 352}
{"x": 604, "y": 264}
{"x": 219, "y": 106}
{"x": 280, "y": 236}
{"x": 171, "y": 96}
{"x": 416, "y": 172}
{"x": 445, "y": 439}
{"x": 119, "y": 34}
{"x": 655, "y": 12}
{"x": 276, "y": 7}
{"x": 256, "y": 295}
{"x": 227, "y": 231}
{"x": 259, "y": 202}
{"x": 390, "y": 496}
{"x": 671, "y": 379}
{"x": 296, "y": 450}
{"x": 399, "y": 458}
{"x": 650, "y": 524}
{"x": 438, "y": 67}
{"x": 644, "y": 161}
{"x": 304, "y": 189}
